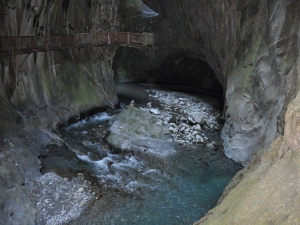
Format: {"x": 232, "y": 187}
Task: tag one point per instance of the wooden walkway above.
{"x": 17, "y": 45}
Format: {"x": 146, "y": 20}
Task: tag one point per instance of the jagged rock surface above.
{"x": 267, "y": 190}
{"x": 252, "y": 47}
{"x": 39, "y": 91}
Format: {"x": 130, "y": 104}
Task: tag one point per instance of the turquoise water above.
{"x": 145, "y": 190}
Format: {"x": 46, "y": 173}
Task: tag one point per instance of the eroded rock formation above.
{"x": 252, "y": 47}
{"x": 39, "y": 91}
{"x": 267, "y": 190}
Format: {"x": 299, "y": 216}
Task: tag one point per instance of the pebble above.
{"x": 181, "y": 142}
{"x": 168, "y": 119}
{"x": 80, "y": 190}
{"x": 132, "y": 103}
{"x": 173, "y": 130}
{"x": 199, "y": 139}
{"x": 155, "y": 111}
{"x": 183, "y": 119}
{"x": 198, "y": 127}
{"x": 211, "y": 144}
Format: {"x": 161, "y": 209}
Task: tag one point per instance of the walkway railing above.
{"x": 10, "y": 46}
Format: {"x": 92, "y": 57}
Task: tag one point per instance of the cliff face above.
{"x": 39, "y": 91}
{"x": 60, "y": 84}
{"x": 267, "y": 190}
{"x": 252, "y": 47}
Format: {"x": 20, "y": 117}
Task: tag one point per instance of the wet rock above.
{"x": 154, "y": 111}
{"x": 187, "y": 130}
{"x": 185, "y": 125}
{"x": 198, "y": 127}
{"x": 191, "y": 120}
{"x": 153, "y": 146}
{"x": 182, "y": 129}
{"x": 132, "y": 103}
{"x": 199, "y": 139}
{"x": 54, "y": 194}
{"x": 136, "y": 124}
{"x": 196, "y": 117}
{"x": 181, "y": 142}
{"x": 80, "y": 190}
{"x": 86, "y": 143}
{"x": 183, "y": 119}
{"x": 122, "y": 105}
{"x": 173, "y": 130}
{"x": 194, "y": 133}
{"x": 149, "y": 104}
{"x": 168, "y": 119}
{"x": 211, "y": 145}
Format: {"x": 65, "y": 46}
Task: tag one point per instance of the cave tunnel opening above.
{"x": 184, "y": 72}
{"x": 190, "y": 72}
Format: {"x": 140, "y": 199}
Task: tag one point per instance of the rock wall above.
{"x": 58, "y": 84}
{"x": 267, "y": 190}
{"x": 252, "y": 47}
{"x": 39, "y": 91}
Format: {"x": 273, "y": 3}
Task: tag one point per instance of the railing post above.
{"x": 128, "y": 38}
{"x": 108, "y": 38}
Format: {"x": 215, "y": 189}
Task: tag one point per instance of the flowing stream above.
{"x": 139, "y": 188}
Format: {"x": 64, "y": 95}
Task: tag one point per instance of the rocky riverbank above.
{"x": 149, "y": 157}
{"x": 186, "y": 115}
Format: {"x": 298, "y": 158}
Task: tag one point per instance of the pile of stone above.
{"x": 60, "y": 200}
{"x": 186, "y": 116}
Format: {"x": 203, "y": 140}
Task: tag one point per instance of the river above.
{"x": 138, "y": 188}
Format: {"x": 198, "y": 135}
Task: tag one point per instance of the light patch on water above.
{"x": 84, "y": 158}
{"x": 101, "y": 117}
{"x": 133, "y": 185}
{"x": 102, "y": 164}
{"x": 129, "y": 162}
{"x": 91, "y": 145}
{"x": 98, "y": 118}
{"x": 168, "y": 184}
{"x": 77, "y": 125}
{"x": 113, "y": 178}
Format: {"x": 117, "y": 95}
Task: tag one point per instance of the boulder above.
{"x": 133, "y": 123}
{"x": 196, "y": 117}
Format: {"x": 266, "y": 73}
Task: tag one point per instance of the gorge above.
{"x": 244, "y": 52}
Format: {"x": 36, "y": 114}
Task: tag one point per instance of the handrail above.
{"x": 16, "y": 45}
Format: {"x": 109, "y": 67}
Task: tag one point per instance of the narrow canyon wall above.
{"x": 50, "y": 87}
{"x": 40, "y": 91}
{"x": 252, "y": 47}
{"x": 267, "y": 190}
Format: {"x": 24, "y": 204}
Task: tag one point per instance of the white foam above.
{"x": 102, "y": 164}
{"x": 84, "y": 158}
{"x": 132, "y": 185}
{"x": 93, "y": 146}
{"x": 101, "y": 117}
{"x": 151, "y": 171}
{"x": 115, "y": 177}
{"x": 76, "y": 125}
{"x": 130, "y": 162}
